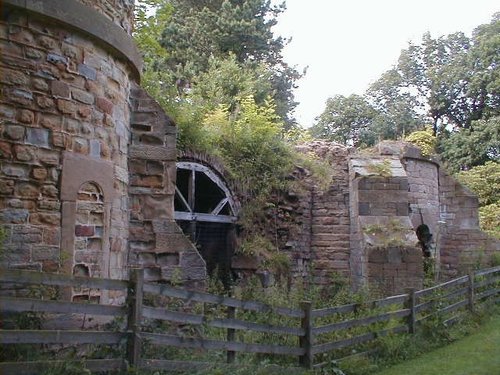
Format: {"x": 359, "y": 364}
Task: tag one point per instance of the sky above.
{"x": 348, "y": 44}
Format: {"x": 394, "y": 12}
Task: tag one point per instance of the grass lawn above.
{"x": 478, "y": 354}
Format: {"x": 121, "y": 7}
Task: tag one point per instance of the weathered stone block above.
{"x": 60, "y": 89}
{"x": 44, "y": 253}
{"x": 66, "y": 106}
{"x": 84, "y": 230}
{"x": 45, "y": 218}
{"x": 16, "y": 253}
{"x": 152, "y": 153}
{"x": 26, "y": 116}
{"x": 168, "y": 260}
{"x": 87, "y": 71}
{"x": 26, "y": 234}
{"x": 14, "y": 132}
{"x": 56, "y": 59}
{"x": 104, "y": 105}
{"x": 14, "y": 216}
{"x": 6, "y": 186}
{"x": 52, "y": 236}
{"x": 26, "y": 190}
{"x": 152, "y": 274}
{"x": 191, "y": 258}
{"x": 37, "y": 137}
{"x": 82, "y": 96}
{"x": 19, "y": 171}
{"x": 48, "y": 157}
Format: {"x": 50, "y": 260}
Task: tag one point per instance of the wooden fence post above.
{"x": 410, "y": 304}
{"x": 471, "y": 292}
{"x": 231, "y": 314}
{"x": 306, "y": 341}
{"x": 135, "y": 294}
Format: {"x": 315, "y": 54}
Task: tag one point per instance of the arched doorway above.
{"x": 206, "y": 211}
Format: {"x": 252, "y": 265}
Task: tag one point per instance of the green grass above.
{"x": 478, "y": 354}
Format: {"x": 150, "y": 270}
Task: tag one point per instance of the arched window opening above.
{"x": 89, "y": 228}
{"x": 424, "y": 236}
{"x": 205, "y": 210}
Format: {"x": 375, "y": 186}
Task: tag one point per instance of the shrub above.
{"x": 425, "y": 140}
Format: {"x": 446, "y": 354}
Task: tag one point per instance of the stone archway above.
{"x": 206, "y": 211}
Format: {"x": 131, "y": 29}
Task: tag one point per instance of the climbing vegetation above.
{"x": 382, "y": 169}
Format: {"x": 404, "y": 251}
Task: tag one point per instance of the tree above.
{"x": 472, "y": 147}
{"x": 345, "y": 120}
{"x": 397, "y": 109}
{"x": 484, "y": 180}
{"x": 451, "y": 82}
{"x": 198, "y": 32}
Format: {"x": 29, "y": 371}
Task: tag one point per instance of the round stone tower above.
{"x": 67, "y": 68}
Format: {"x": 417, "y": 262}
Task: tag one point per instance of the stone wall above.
{"x": 156, "y": 242}
{"x": 462, "y": 245}
{"x": 330, "y": 232}
{"x": 386, "y": 256}
{"x": 61, "y": 94}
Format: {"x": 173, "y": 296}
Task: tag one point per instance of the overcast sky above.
{"x": 348, "y": 44}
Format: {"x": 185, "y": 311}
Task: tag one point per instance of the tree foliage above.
{"x": 451, "y": 82}
{"x": 484, "y": 181}
{"x": 200, "y": 31}
{"x": 345, "y": 120}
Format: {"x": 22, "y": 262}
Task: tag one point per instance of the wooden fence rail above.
{"x": 306, "y": 332}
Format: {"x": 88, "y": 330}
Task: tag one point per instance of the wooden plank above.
{"x": 453, "y": 307}
{"x": 250, "y": 326}
{"x": 306, "y": 342}
{"x": 446, "y": 285}
{"x": 186, "y": 318}
{"x": 197, "y": 343}
{"x": 323, "y": 348}
{"x": 390, "y": 300}
{"x": 60, "y": 337}
{"x": 135, "y": 297}
{"x": 173, "y": 316}
{"x": 487, "y": 293}
{"x": 487, "y": 281}
{"x": 344, "y": 343}
{"x": 189, "y": 216}
{"x": 230, "y": 334}
{"x": 23, "y": 304}
{"x": 487, "y": 271}
{"x": 190, "y": 295}
{"x": 470, "y": 292}
{"x": 320, "y": 313}
{"x": 34, "y": 367}
{"x": 360, "y": 322}
{"x": 426, "y": 306}
{"x": 42, "y": 278}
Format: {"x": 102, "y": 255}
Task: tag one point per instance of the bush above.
{"x": 425, "y": 140}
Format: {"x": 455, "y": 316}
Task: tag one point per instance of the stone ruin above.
{"x": 385, "y": 211}
{"x": 88, "y": 176}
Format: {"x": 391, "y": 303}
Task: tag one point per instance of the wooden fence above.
{"x": 205, "y": 323}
